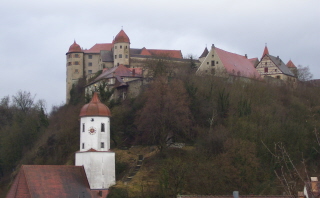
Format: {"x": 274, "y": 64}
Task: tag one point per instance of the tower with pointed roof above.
{"x": 74, "y": 67}
{"x": 94, "y": 154}
{"x": 121, "y": 49}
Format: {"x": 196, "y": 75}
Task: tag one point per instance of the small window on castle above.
{"x": 115, "y": 47}
{"x": 126, "y": 47}
{"x": 90, "y": 64}
{"x": 69, "y": 63}
{"x": 265, "y": 63}
{"x": 89, "y": 71}
{"x": 102, "y": 144}
{"x": 83, "y": 127}
{"x": 76, "y": 62}
{"x": 120, "y": 46}
{"x": 120, "y": 55}
{"x": 266, "y": 70}
{"x": 275, "y": 70}
{"x": 69, "y": 56}
{"x": 126, "y": 56}
{"x": 217, "y": 62}
{"x": 76, "y": 71}
{"x": 115, "y": 56}
{"x": 90, "y": 56}
{"x": 212, "y": 55}
{"x": 82, "y": 145}
{"x": 76, "y": 55}
{"x": 207, "y": 63}
{"x": 102, "y": 127}
{"x": 212, "y": 63}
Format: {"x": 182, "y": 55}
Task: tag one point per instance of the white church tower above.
{"x": 95, "y": 154}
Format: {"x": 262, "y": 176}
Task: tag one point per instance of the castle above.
{"x": 122, "y": 67}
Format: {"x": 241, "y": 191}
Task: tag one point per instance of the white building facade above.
{"x": 94, "y": 153}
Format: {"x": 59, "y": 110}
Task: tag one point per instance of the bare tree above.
{"x": 23, "y": 100}
{"x": 303, "y": 73}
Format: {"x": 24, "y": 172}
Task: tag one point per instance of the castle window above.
{"x": 266, "y": 70}
{"x": 89, "y": 71}
{"x": 207, "y": 63}
{"x": 69, "y": 56}
{"x": 90, "y": 56}
{"x": 76, "y": 62}
{"x": 217, "y": 62}
{"x": 102, "y": 127}
{"x": 76, "y": 55}
{"x": 126, "y": 56}
{"x": 126, "y": 47}
{"x": 115, "y": 56}
{"x": 120, "y": 55}
{"x": 212, "y": 55}
{"x": 82, "y": 145}
{"x": 90, "y": 64}
{"x": 266, "y": 63}
{"x": 102, "y": 144}
{"x": 120, "y": 46}
{"x": 76, "y": 71}
{"x": 212, "y": 63}
{"x": 275, "y": 70}
{"x": 83, "y": 127}
{"x": 69, "y": 63}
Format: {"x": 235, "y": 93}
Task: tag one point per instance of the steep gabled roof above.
{"x": 99, "y": 47}
{"x": 204, "y": 53}
{"x": 144, "y": 51}
{"x": 50, "y": 181}
{"x": 290, "y": 64}
{"x": 280, "y": 64}
{"x": 236, "y": 64}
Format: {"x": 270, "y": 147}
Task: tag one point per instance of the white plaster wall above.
{"x": 99, "y": 168}
{"x": 94, "y": 141}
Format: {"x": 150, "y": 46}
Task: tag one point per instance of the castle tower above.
{"x": 74, "y": 58}
{"x": 121, "y": 49}
{"x": 95, "y": 154}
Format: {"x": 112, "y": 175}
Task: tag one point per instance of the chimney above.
{"x": 133, "y": 72}
{"x": 246, "y": 55}
{"x": 212, "y": 46}
{"x": 314, "y": 181}
{"x": 235, "y": 194}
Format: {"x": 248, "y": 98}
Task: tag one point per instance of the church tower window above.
{"x": 83, "y": 127}
{"x": 102, "y": 127}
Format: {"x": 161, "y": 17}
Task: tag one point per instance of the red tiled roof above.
{"x": 265, "y": 51}
{"x": 74, "y": 48}
{"x": 99, "y": 47}
{"x": 95, "y": 108}
{"x": 137, "y": 70}
{"x": 50, "y": 181}
{"x": 166, "y": 53}
{"x": 236, "y": 64}
{"x": 121, "y": 37}
{"x": 290, "y": 64}
{"x": 144, "y": 51}
{"x": 121, "y": 71}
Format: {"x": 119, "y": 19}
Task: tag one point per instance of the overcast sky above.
{"x": 36, "y": 34}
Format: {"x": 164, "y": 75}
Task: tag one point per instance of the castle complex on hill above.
{"x": 123, "y": 67}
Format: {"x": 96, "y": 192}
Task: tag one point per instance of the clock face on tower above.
{"x": 92, "y": 130}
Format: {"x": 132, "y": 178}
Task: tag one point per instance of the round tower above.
{"x": 121, "y": 49}
{"x": 94, "y": 154}
{"x": 74, "y": 59}
{"x": 95, "y": 126}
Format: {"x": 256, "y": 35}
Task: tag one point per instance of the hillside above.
{"x": 238, "y": 134}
